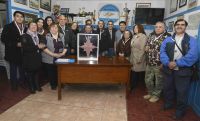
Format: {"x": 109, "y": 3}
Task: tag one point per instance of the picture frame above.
{"x": 170, "y": 26}
{"x": 192, "y": 3}
{"x": 28, "y": 17}
{"x": 45, "y": 4}
{"x": 34, "y": 4}
{"x": 23, "y": 2}
{"x": 173, "y": 5}
{"x": 87, "y": 46}
{"x": 143, "y": 5}
{"x": 182, "y": 3}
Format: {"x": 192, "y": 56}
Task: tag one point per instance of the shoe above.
{"x": 178, "y": 115}
{"x": 153, "y": 99}
{"x": 147, "y": 97}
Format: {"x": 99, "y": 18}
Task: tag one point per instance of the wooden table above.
{"x": 104, "y": 71}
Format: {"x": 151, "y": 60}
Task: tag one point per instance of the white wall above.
{"x": 173, "y": 16}
{"x": 91, "y": 5}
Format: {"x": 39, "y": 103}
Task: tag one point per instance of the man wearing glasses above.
{"x": 178, "y": 54}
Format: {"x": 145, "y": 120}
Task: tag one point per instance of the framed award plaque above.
{"x": 87, "y": 46}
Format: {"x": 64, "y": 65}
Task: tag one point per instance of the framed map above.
{"x": 45, "y": 4}
{"x": 109, "y": 12}
{"x": 24, "y": 2}
{"x": 34, "y": 4}
{"x": 28, "y": 17}
{"x": 87, "y": 46}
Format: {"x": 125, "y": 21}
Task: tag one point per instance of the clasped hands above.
{"x": 172, "y": 64}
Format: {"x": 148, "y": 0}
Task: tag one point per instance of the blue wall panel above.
{"x": 194, "y": 94}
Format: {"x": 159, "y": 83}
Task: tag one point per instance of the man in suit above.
{"x": 111, "y": 31}
{"x": 10, "y": 37}
{"x": 104, "y": 39}
{"x": 119, "y": 33}
{"x": 70, "y": 41}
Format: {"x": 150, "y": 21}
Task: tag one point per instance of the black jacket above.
{"x": 31, "y": 54}
{"x": 10, "y": 37}
{"x": 113, "y": 37}
{"x": 105, "y": 41}
{"x": 70, "y": 39}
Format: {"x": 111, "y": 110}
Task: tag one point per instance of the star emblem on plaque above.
{"x": 87, "y": 46}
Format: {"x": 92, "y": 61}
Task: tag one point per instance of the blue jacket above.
{"x": 189, "y": 48}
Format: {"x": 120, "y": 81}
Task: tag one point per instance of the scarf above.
{"x": 34, "y": 36}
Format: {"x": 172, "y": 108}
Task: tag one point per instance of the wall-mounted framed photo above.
{"x": 24, "y": 2}
{"x": 182, "y": 3}
{"x": 173, "y": 5}
{"x": 34, "y": 4}
{"x": 170, "y": 26}
{"x": 87, "y": 46}
{"x": 45, "y": 4}
{"x": 143, "y": 5}
{"x": 29, "y": 17}
{"x": 192, "y": 3}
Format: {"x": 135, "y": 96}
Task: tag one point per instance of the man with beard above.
{"x": 178, "y": 54}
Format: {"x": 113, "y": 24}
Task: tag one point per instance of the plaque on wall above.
{"x": 87, "y": 46}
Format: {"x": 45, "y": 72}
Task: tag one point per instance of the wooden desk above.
{"x": 105, "y": 71}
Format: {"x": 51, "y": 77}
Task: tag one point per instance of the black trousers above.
{"x": 51, "y": 70}
{"x": 16, "y": 75}
{"x": 137, "y": 77}
{"x": 176, "y": 86}
{"x": 32, "y": 79}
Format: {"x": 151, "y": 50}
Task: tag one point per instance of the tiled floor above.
{"x": 79, "y": 103}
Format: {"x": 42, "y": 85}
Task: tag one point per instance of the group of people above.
{"x": 163, "y": 61}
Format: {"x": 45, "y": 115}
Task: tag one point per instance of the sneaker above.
{"x": 147, "y": 97}
{"x": 153, "y": 99}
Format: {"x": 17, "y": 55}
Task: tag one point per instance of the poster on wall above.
{"x": 28, "y": 17}
{"x": 34, "y": 4}
{"x": 173, "y": 5}
{"x": 87, "y": 46}
{"x": 24, "y": 2}
{"x": 45, "y": 4}
{"x": 193, "y": 21}
{"x": 109, "y": 12}
{"x": 170, "y": 26}
{"x": 192, "y": 3}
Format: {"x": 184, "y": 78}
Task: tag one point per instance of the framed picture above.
{"x": 45, "y": 4}
{"x": 171, "y": 26}
{"x": 28, "y": 17}
{"x": 182, "y": 3}
{"x": 24, "y": 2}
{"x": 173, "y": 5}
{"x": 143, "y": 5}
{"x": 192, "y": 3}
{"x": 87, "y": 46}
{"x": 34, "y": 4}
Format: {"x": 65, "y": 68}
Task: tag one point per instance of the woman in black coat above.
{"x": 31, "y": 56}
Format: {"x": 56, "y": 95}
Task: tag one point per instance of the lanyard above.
{"x": 20, "y": 31}
{"x": 156, "y": 38}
